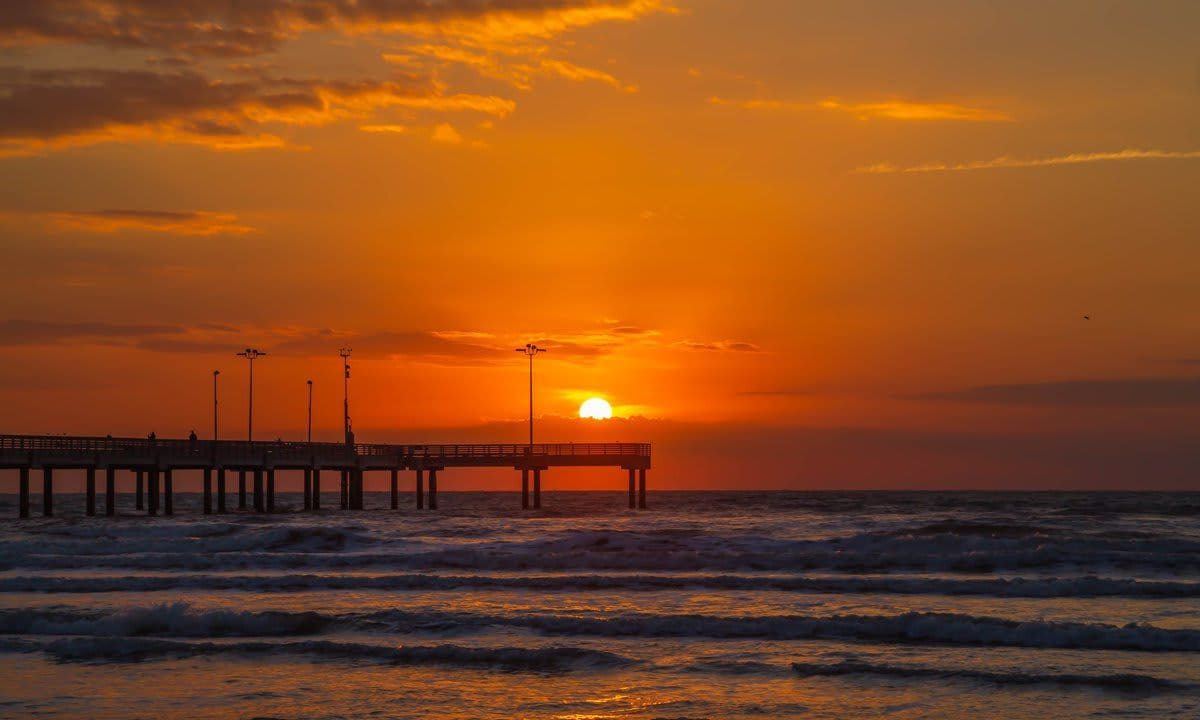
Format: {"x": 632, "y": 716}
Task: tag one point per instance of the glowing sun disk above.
{"x": 595, "y": 409}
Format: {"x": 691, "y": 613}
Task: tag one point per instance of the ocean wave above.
{"x": 107, "y": 649}
{"x": 163, "y": 620}
{"x": 185, "y": 621}
{"x": 1080, "y": 587}
{"x": 912, "y": 627}
{"x": 1118, "y": 681}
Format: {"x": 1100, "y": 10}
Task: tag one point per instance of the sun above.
{"x": 595, "y": 409}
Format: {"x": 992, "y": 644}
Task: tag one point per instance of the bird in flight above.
{"x": 1087, "y": 317}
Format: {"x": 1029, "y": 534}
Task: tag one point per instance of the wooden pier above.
{"x": 154, "y": 461}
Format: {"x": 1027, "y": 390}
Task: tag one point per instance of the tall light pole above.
{"x": 531, "y": 351}
{"x": 215, "y": 374}
{"x": 251, "y": 354}
{"x": 345, "y": 355}
{"x": 310, "y": 411}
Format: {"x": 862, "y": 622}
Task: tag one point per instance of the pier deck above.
{"x": 152, "y": 458}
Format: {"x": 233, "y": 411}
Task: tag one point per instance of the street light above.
{"x": 215, "y": 374}
{"x": 310, "y": 411}
{"x": 345, "y": 355}
{"x": 251, "y": 354}
{"x": 531, "y": 351}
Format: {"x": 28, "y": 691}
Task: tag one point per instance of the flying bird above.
{"x": 1087, "y": 317}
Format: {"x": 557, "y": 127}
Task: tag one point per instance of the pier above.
{"x": 154, "y": 461}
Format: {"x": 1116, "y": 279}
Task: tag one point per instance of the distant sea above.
{"x": 709, "y": 605}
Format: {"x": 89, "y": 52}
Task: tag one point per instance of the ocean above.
{"x": 708, "y": 605}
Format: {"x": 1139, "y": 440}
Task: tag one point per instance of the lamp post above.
{"x": 251, "y": 354}
{"x": 530, "y": 350}
{"x": 345, "y": 355}
{"x": 310, "y": 412}
{"x": 215, "y": 374}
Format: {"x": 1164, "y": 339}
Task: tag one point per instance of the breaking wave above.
{"x": 1119, "y": 681}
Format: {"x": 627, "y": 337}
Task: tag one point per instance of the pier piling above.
{"x": 259, "y": 505}
{"x": 270, "y": 489}
{"x": 139, "y": 492}
{"x": 632, "y": 490}
{"x": 420, "y": 489}
{"x": 524, "y": 488}
{"x": 345, "y": 489}
{"x": 316, "y": 489}
{"x": 47, "y": 492}
{"x": 241, "y": 489}
{"x": 395, "y": 489}
{"x": 641, "y": 488}
{"x": 23, "y": 491}
{"x": 208, "y": 491}
{"x": 433, "y": 488}
{"x": 537, "y": 488}
{"x": 110, "y": 491}
{"x": 221, "y": 490}
{"x": 168, "y": 492}
{"x": 91, "y": 492}
{"x": 152, "y": 495}
{"x": 308, "y": 489}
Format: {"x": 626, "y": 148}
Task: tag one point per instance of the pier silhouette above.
{"x": 154, "y": 460}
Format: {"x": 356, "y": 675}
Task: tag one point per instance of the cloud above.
{"x": 394, "y": 129}
{"x": 1011, "y": 162}
{"x": 515, "y": 65}
{"x": 906, "y": 110}
{"x": 44, "y": 332}
{"x": 719, "y": 346}
{"x": 219, "y": 28}
{"x": 48, "y": 109}
{"x": 1113, "y": 393}
{"x": 889, "y": 110}
{"x": 183, "y": 223}
{"x": 445, "y": 133}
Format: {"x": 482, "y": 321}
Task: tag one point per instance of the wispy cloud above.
{"x": 1012, "y": 162}
{"x": 181, "y": 223}
{"x": 1115, "y": 393}
{"x": 719, "y": 346}
{"x": 889, "y": 109}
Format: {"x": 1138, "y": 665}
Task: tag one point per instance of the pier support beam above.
{"x": 110, "y": 491}
{"x": 524, "y": 488}
{"x": 241, "y": 489}
{"x": 208, "y": 491}
{"x": 259, "y": 505}
{"x": 139, "y": 492}
{"x": 152, "y": 491}
{"x": 537, "y": 489}
{"x": 308, "y": 488}
{"x": 433, "y": 488}
{"x": 271, "y": 490}
{"x": 642, "y": 488}
{"x": 632, "y": 489}
{"x": 48, "y": 492}
{"x": 345, "y": 502}
{"x": 395, "y": 489}
{"x": 23, "y": 491}
{"x": 91, "y": 492}
{"x": 356, "y": 489}
{"x": 316, "y": 489}
{"x": 220, "y": 490}
{"x": 168, "y": 492}
{"x": 420, "y": 489}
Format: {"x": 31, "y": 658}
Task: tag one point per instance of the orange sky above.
{"x": 795, "y": 244}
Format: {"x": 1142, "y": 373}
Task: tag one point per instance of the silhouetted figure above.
{"x": 192, "y": 441}
{"x": 152, "y": 436}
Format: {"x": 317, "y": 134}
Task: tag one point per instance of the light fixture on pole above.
{"x": 310, "y": 411}
{"x": 531, "y": 351}
{"x": 345, "y": 355}
{"x": 251, "y": 354}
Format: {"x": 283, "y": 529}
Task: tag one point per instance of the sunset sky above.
{"x": 795, "y": 244}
